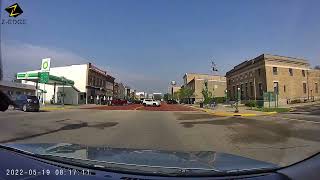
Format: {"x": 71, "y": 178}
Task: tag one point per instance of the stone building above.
{"x": 289, "y": 78}
{"x": 196, "y": 82}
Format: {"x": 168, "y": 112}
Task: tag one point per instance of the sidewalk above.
{"x": 226, "y": 110}
{"x": 53, "y": 107}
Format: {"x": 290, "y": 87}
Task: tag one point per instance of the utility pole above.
{"x": 214, "y": 69}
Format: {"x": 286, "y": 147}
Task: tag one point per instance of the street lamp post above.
{"x": 226, "y": 95}
{"x": 238, "y": 98}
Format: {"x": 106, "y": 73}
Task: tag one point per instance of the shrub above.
{"x": 251, "y": 103}
{"x": 220, "y": 99}
{"x": 295, "y": 101}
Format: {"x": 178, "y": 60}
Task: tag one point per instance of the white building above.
{"x": 91, "y": 84}
{"x": 141, "y": 95}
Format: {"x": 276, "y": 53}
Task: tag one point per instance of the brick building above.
{"x": 119, "y": 91}
{"x": 196, "y": 82}
{"x": 291, "y": 78}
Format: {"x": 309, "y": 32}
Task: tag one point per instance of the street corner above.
{"x": 166, "y": 107}
{"x": 229, "y": 114}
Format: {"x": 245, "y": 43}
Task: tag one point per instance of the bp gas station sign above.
{"x": 44, "y": 77}
{"x": 45, "y": 69}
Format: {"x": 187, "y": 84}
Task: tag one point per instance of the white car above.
{"x": 151, "y": 102}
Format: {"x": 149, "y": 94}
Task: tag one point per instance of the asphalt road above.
{"x": 280, "y": 139}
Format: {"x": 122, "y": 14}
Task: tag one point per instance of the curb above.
{"x": 55, "y": 108}
{"x": 232, "y": 114}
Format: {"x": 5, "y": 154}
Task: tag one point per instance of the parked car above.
{"x": 120, "y": 102}
{"x": 151, "y": 102}
{"x": 27, "y": 103}
{"x": 137, "y": 101}
{"x": 172, "y": 101}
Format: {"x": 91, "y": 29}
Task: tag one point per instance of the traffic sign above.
{"x": 44, "y": 77}
{"x": 45, "y": 65}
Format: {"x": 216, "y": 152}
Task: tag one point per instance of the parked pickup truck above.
{"x": 151, "y": 102}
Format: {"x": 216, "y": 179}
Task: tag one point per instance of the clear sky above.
{"x": 146, "y": 44}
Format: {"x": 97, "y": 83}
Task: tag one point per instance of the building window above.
{"x": 275, "y": 70}
{"x": 284, "y": 88}
{"x": 229, "y": 81}
{"x": 259, "y": 71}
{"x": 260, "y": 89}
{"x": 251, "y": 89}
{"x": 303, "y": 73}
{"x": 246, "y": 90}
{"x": 316, "y": 87}
{"x": 304, "y": 88}
{"x": 290, "y": 72}
{"x": 234, "y": 91}
{"x": 242, "y": 92}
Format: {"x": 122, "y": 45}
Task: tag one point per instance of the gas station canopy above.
{"x": 44, "y": 77}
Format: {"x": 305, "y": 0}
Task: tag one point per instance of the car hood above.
{"x": 206, "y": 160}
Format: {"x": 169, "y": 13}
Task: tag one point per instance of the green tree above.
{"x": 176, "y": 95}
{"x": 188, "y": 93}
{"x": 207, "y": 95}
{"x": 181, "y": 93}
{"x": 185, "y": 93}
{"x": 166, "y": 96}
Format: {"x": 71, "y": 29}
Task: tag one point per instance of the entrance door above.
{"x": 276, "y": 87}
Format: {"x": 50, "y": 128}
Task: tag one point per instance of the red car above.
{"x": 120, "y": 102}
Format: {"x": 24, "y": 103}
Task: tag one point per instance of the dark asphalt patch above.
{"x": 228, "y": 121}
{"x": 258, "y": 131}
{"x": 104, "y": 125}
{"x": 64, "y": 128}
{"x": 193, "y": 116}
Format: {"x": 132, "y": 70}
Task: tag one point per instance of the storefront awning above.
{"x": 35, "y": 77}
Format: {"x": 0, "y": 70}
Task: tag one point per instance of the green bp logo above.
{"x": 45, "y": 65}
